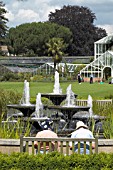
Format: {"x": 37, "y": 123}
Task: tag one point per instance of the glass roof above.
{"x": 48, "y": 66}
{"x": 106, "y": 40}
{"x": 105, "y": 60}
{"x": 20, "y": 69}
{"x": 71, "y": 67}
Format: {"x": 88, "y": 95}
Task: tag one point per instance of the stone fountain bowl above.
{"x": 86, "y": 115}
{"x": 57, "y": 99}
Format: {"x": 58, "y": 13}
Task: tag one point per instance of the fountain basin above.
{"x": 27, "y": 110}
{"x": 86, "y": 115}
{"x": 55, "y": 98}
{"x": 69, "y": 111}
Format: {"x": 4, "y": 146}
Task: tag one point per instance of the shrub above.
{"x": 9, "y": 77}
{"x": 44, "y": 100}
{"x": 107, "y": 123}
{"x": 7, "y": 97}
{"x": 15, "y": 129}
{"x": 56, "y": 161}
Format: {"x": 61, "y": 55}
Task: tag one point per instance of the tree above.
{"x": 56, "y": 47}
{"x": 80, "y": 21}
{"x": 3, "y": 21}
{"x": 33, "y": 37}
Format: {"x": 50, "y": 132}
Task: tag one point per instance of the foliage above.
{"x": 8, "y": 97}
{"x": 107, "y": 123}
{"x": 80, "y": 20}
{"x": 31, "y": 38}
{"x": 13, "y": 77}
{"x": 3, "y": 21}
{"x": 44, "y": 101}
{"x": 15, "y": 129}
{"x": 55, "y": 49}
{"x": 9, "y": 76}
{"x": 109, "y": 96}
{"x": 42, "y": 77}
{"x": 56, "y": 161}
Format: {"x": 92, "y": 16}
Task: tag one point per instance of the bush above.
{"x": 56, "y": 161}
{"x": 9, "y": 77}
{"x": 8, "y": 97}
{"x": 107, "y": 123}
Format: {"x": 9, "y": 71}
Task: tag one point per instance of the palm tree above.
{"x": 56, "y": 47}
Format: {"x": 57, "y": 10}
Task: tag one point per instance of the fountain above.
{"x": 39, "y": 106}
{"x": 90, "y": 104}
{"x": 57, "y": 89}
{"x": 69, "y": 108}
{"x": 70, "y": 99}
{"x": 85, "y": 117}
{"x": 38, "y": 114}
{"x": 89, "y": 118}
{"x": 24, "y": 106}
{"x": 66, "y": 114}
{"x": 26, "y": 94}
{"x": 56, "y": 97}
{"x": 72, "y": 113}
{"x": 37, "y": 117}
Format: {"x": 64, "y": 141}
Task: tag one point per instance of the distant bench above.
{"x": 27, "y": 143}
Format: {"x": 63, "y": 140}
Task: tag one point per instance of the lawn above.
{"x": 96, "y": 90}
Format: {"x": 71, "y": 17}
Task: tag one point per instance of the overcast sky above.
{"x": 27, "y": 11}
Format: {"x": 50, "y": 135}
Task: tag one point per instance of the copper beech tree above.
{"x": 80, "y": 20}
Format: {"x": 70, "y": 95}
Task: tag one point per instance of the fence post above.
{"x": 21, "y": 143}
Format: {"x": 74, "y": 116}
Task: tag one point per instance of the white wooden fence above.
{"x": 99, "y": 102}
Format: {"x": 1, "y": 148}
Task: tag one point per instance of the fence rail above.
{"x": 64, "y": 144}
{"x": 98, "y": 102}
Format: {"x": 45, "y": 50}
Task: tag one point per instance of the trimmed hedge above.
{"x": 56, "y": 161}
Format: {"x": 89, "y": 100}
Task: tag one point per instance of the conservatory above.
{"x": 103, "y": 59}
{"x": 48, "y": 68}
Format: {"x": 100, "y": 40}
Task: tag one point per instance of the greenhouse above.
{"x": 103, "y": 45}
{"x": 103, "y": 59}
{"x": 48, "y": 68}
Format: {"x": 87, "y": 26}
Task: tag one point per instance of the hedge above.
{"x": 56, "y": 161}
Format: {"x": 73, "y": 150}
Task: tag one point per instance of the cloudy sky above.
{"x": 27, "y": 11}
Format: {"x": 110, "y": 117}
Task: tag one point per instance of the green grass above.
{"x": 96, "y": 90}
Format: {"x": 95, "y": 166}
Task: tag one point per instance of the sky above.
{"x": 27, "y": 11}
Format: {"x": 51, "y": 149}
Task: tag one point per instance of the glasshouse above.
{"x": 47, "y": 68}
{"x": 103, "y": 59}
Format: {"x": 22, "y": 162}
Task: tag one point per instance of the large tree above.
{"x": 3, "y": 21}
{"x": 32, "y": 37}
{"x": 80, "y": 20}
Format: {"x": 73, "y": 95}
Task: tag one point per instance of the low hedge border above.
{"x": 56, "y": 161}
